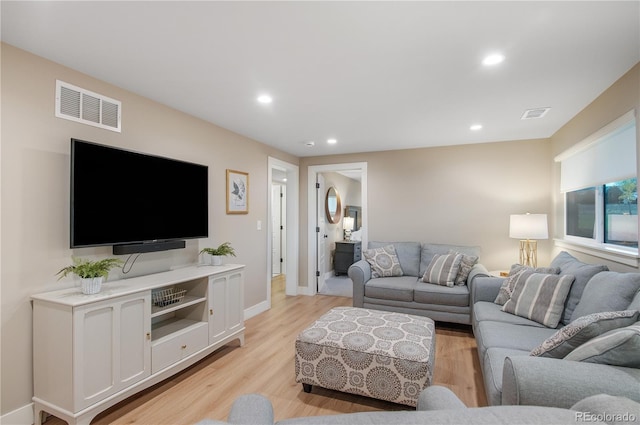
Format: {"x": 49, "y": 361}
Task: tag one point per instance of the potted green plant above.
{"x": 91, "y": 273}
{"x": 217, "y": 253}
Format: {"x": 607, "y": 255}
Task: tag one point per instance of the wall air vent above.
{"x": 530, "y": 114}
{"x": 80, "y": 105}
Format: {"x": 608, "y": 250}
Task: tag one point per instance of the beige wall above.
{"x": 620, "y": 98}
{"x": 35, "y": 195}
{"x": 459, "y": 195}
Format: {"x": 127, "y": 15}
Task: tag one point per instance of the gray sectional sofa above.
{"x": 514, "y": 377}
{"x": 438, "y": 405}
{"x": 406, "y": 293}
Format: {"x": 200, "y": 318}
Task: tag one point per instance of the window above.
{"x": 615, "y": 205}
{"x": 599, "y": 182}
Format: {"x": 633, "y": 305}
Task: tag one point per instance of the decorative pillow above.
{"x": 467, "y": 263}
{"x": 507, "y": 286}
{"x": 607, "y": 291}
{"x": 384, "y": 262}
{"x": 570, "y": 265}
{"x": 618, "y": 347}
{"x": 539, "y": 297}
{"x": 515, "y": 268}
{"x": 582, "y": 330}
{"x": 443, "y": 269}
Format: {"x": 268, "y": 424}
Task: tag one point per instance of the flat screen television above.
{"x": 134, "y": 201}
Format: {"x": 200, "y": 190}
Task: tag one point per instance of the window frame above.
{"x": 596, "y": 246}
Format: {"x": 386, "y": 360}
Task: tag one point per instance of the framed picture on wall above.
{"x": 237, "y": 192}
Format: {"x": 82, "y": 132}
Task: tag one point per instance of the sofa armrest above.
{"x": 251, "y": 409}
{"x": 360, "y": 274}
{"x": 544, "y": 381}
{"x": 484, "y": 287}
{"x": 438, "y": 398}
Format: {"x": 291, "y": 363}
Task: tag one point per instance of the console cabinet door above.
{"x": 226, "y": 305}
{"x": 235, "y": 298}
{"x": 112, "y": 346}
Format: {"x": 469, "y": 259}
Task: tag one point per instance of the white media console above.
{"x": 93, "y": 351}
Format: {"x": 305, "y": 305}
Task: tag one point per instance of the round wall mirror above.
{"x": 333, "y": 206}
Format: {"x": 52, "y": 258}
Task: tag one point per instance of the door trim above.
{"x": 312, "y": 171}
{"x": 292, "y": 223}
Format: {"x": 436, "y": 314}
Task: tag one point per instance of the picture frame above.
{"x": 237, "y": 192}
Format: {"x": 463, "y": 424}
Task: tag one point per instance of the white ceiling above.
{"x": 374, "y": 75}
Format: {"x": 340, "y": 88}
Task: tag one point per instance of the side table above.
{"x": 347, "y": 253}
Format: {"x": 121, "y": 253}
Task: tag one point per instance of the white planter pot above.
{"x": 91, "y": 285}
{"x": 216, "y": 260}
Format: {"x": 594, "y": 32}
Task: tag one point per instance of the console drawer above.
{"x": 178, "y": 345}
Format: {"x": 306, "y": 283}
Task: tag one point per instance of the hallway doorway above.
{"x": 316, "y": 272}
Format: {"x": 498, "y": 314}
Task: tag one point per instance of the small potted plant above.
{"x": 91, "y": 273}
{"x": 219, "y": 252}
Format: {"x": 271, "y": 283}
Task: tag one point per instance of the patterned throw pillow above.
{"x": 618, "y": 347}
{"x": 507, "y": 286}
{"x": 582, "y": 330}
{"x": 539, "y": 297}
{"x": 443, "y": 269}
{"x": 384, "y": 262}
{"x": 467, "y": 263}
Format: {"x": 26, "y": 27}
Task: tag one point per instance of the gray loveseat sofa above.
{"x": 512, "y": 376}
{"x": 406, "y": 293}
{"x": 438, "y": 405}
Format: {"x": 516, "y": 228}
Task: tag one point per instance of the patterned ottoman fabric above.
{"x": 385, "y": 355}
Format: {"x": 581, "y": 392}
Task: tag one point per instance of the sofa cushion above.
{"x": 408, "y": 254}
{"x": 618, "y": 347}
{"x": 384, "y": 261}
{"x": 583, "y": 272}
{"x": 607, "y": 291}
{"x": 457, "y": 295}
{"x": 430, "y": 249}
{"x": 467, "y": 263}
{"x": 391, "y": 288}
{"x": 486, "y": 310}
{"x": 443, "y": 269}
{"x": 506, "y": 335}
{"x": 539, "y": 297}
{"x": 582, "y": 330}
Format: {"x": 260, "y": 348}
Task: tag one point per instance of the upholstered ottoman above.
{"x": 380, "y": 354}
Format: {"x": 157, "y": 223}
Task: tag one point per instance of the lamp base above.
{"x": 529, "y": 253}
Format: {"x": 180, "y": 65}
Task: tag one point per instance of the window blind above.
{"x": 609, "y": 155}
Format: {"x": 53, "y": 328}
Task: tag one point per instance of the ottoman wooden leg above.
{"x": 306, "y": 388}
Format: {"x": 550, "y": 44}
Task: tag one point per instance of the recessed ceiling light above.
{"x": 476, "y": 127}
{"x": 493, "y": 59}
{"x": 332, "y": 141}
{"x": 265, "y": 99}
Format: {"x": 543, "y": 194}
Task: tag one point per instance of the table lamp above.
{"x": 347, "y": 225}
{"x": 528, "y": 228}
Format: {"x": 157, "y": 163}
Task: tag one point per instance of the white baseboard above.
{"x": 20, "y": 416}
{"x": 255, "y": 310}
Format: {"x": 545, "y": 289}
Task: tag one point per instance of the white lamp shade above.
{"x": 528, "y": 226}
{"x": 347, "y": 223}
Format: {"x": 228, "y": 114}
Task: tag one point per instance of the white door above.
{"x": 321, "y": 235}
{"x": 276, "y": 226}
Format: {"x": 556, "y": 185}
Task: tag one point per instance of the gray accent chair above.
{"x": 407, "y": 293}
{"x": 438, "y": 405}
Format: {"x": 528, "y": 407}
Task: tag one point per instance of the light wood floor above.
{"x": 265, "y": 365}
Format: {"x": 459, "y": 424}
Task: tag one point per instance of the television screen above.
{"x": 123, "y": 197}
